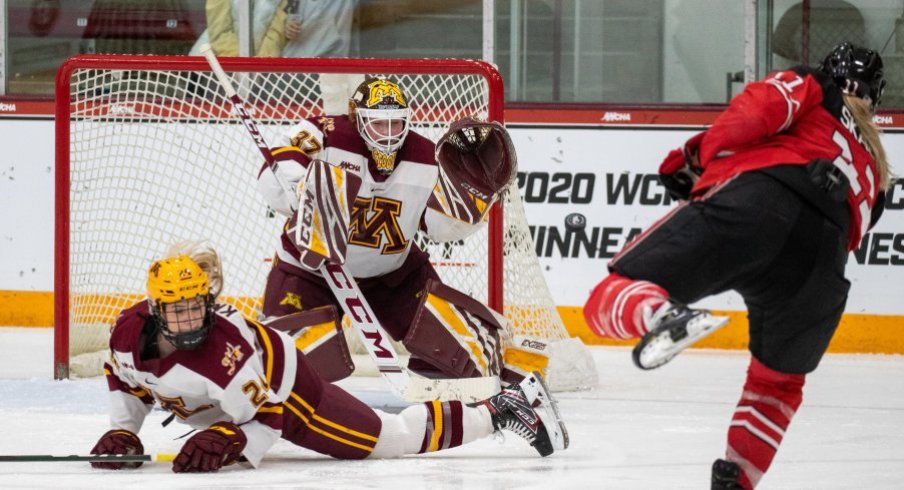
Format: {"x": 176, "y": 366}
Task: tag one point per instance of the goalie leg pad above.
{"x": 455, "y": 333}
{"x": 291, "y": 290}
{"x": 523, "y": 357}
{"x": 318, "y": 335}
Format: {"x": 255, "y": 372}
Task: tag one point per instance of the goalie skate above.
{"x": 530, "y": 412}
{"x": 676, "y": 327}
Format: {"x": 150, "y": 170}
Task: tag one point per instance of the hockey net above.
{"x": 149, "y": 152}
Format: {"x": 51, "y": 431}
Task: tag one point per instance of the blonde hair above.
{"x": 207, "y": 258}
{"x": 862, "y": 112}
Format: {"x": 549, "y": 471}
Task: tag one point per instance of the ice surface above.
{"x": 637, "y": 430}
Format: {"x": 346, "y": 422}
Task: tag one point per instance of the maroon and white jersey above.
{"x": 241, "y": 374}
{"x": 793, "y": 117}
{"x": 388, "y": 210}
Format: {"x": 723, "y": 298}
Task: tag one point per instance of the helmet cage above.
{"x": 857, "y": 71}
{"x": 184, "y": 340}
{"x": 177, "y": 282}
{"x": 385, "y": 142}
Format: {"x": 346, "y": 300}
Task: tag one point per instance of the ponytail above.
{"x": 863, "y": 117}
{"x": 206, "y": 257}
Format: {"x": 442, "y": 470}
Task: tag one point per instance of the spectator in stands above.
{"x": 268, "y": 19}
{"x": 318, "y": 28}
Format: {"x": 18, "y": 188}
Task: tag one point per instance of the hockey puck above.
{"x": 575, "y": 221}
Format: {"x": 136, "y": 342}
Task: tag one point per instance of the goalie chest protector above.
{"x": 388, "y": 209}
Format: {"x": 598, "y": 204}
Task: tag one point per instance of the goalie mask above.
{"x": 380, "y": 111}
{"x": 858, "y": 71}
{"x": 180, "y": 301}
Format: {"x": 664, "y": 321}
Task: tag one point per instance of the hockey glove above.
{"x": 209, "y": 450}
{"x": 117, "y": 441}
{"x": 477, "y": 163}
{"x": 681, "y": 169}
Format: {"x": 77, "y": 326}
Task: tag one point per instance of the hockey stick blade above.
{"x": 93, "y": 458}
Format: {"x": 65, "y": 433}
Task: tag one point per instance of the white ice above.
{"x": 637, "y": 430}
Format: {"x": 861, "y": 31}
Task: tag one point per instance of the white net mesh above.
{"x": 157, "y": 156}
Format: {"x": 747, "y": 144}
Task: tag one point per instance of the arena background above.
{"x": 599, "y": 164}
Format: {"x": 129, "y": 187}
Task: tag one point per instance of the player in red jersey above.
{"x": 244, "y": 385}
{"x": 786, "y": 181}
{"x": 408, "y": 185}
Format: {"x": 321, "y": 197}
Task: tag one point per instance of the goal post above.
{"x": 150, "y": 151}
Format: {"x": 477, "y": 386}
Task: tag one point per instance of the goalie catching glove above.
{"x": 477, "y": 163}
{"x": 209, "y": 450}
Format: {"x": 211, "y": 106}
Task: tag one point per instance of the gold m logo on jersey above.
{"x": 381, "y": 89}
{"x": 372, "y": 219}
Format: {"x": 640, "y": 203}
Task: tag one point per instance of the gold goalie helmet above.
{"x": 177, "y": 279}
{"x": 379, "y": 109}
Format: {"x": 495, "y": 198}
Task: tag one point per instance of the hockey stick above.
{"x": 343, "y": 285}
{"x": 94, "y": 458}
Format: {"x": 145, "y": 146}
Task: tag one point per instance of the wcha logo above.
{"x": 4, "y": 107}
{"x": 121, "y": 109}
{"x": 616, "y": 117}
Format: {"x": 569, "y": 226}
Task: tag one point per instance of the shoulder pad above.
{"x": 307, "y": 136}
{"x": 127, "y": 328}
{"x": 418, "y": 149}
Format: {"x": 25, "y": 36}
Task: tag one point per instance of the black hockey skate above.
{"x": 529, "y": 411}
{"x": 726, "y": 475}
{"x": 674, "y": 328}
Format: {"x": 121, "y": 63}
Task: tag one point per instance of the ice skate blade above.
{"x": 560, "y": 442}
{"x": 537, "y": 394}
{"x": 662, "y": 344}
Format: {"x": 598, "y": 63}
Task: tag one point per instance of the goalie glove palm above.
{"x": 477, "y": 163}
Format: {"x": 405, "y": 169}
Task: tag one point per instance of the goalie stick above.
{"x": 343, "y": 285}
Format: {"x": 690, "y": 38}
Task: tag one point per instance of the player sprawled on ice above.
{"x": 244, "y": 385}
{"x": 776, "y": 193}
{"x": 397, "y": 183}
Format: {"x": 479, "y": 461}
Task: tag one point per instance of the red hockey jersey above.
{"x": 792, "y": 117}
